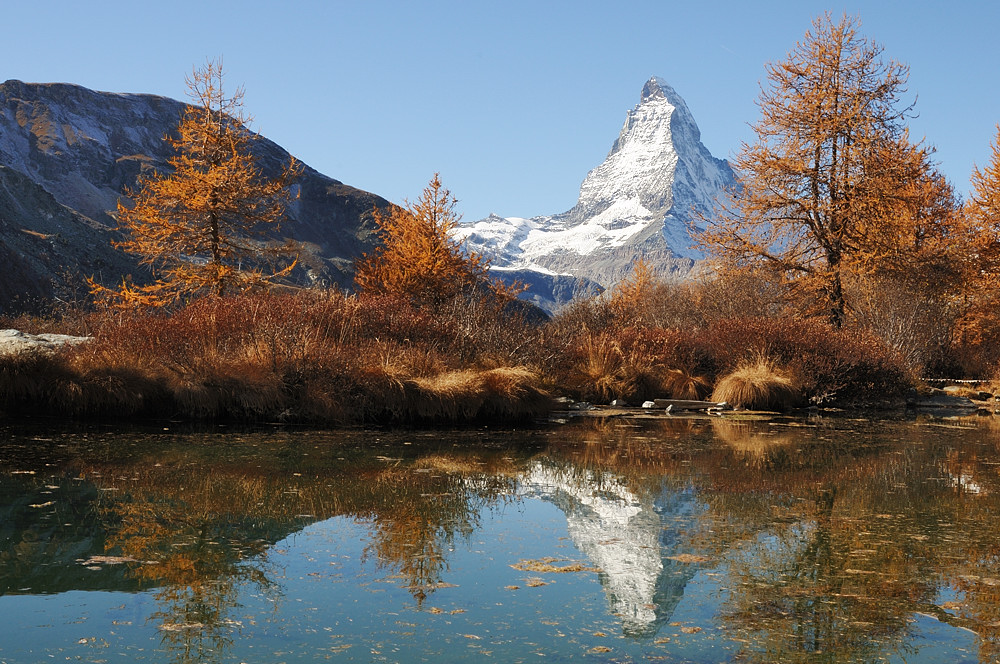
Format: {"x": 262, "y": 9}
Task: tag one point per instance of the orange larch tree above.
{"x": 418, "y": 258}
{"x": 832, "y": 186}
{"x": 980, "y": 323}
{"x": 983, "y": 212}
{"x": 208, "y": 225}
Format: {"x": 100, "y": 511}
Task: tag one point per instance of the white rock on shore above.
{"x": 13, "y": 342}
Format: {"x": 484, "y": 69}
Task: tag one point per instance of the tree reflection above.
{"x": 862, "y": 540}
{"x": 194, "y": 538}
{"x": 835, "y": 537}
{"x": 200, "y": 532}
{"x": 418, "y": 511}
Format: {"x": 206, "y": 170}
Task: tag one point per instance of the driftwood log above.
{"x": 689, "y": 404}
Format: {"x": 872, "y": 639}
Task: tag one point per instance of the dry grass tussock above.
{"x": 503, "y": 393}
{"x": 633, "y": 364}
{"x": 683, "y": 385}
{"x": 598, "y": 370}
{"x": 757, "y": 385}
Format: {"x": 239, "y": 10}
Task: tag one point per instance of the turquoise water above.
{"x": 683, "y": 540}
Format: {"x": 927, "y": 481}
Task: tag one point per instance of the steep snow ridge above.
{"x": 639, "y": 201}
{"x": 502, "y": 235}
{"x": 642, "y": 161}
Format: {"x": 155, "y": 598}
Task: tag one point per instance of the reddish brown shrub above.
{"x": 830, "y": 365}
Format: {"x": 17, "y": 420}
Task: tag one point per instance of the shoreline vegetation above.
{"x": 323, "y": 357}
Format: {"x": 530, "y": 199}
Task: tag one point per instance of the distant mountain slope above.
{"x": 69, "y": 152}
{"x": 638, "y": 202}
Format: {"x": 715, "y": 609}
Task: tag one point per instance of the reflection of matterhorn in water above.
{"x": 629, "y": 539}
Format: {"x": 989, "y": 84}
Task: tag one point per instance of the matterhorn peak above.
{"x": 638, "y": 202}
{"x": 655, "y": 89}
{"x": 641, "y": 167}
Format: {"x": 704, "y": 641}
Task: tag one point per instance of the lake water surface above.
{"x": 675, "y": 540}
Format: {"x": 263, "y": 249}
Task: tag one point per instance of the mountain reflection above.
{"x": 824, "y": 540}
{"x": 628, "y": 536}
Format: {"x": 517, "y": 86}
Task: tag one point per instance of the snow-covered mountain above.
{"x": 639, "y": 202}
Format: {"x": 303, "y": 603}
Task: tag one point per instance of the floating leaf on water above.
{"x": 178, "y": 627}
{"x": 689, "y": 558}
{"x": 473, "y": 636}
{"x": 690, "y": 630}
{"x": 535, "y": 583}
{"x": 512, "y": 587}
{"x": 600, "y": 649}
{"x": 108, "y": 560}
{"x": 51, "y": 502}
{"x": 545, "y": 565}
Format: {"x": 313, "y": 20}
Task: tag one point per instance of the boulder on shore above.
{"x": 13, "y": 342}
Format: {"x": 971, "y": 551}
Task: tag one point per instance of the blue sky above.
{"x": 513, "y": 101}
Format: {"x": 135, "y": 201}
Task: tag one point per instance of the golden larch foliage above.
{"x": 631, "y": 293}
{"x": 983, "y": 212}
{"x": 419, "y": 259}
{"x": 206, "y": 226}
{"x": 979, "y": 325}
{"x": 832, "y": 186}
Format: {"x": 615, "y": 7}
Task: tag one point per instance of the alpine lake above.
{"x": 627, "y": 539}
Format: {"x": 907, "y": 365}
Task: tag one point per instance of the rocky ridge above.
{"x": 66, "y": 155}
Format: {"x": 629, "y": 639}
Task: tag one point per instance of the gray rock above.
{"x": 13, "y": 342}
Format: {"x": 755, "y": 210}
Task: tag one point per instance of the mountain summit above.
{"x": 638, "y": 202}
